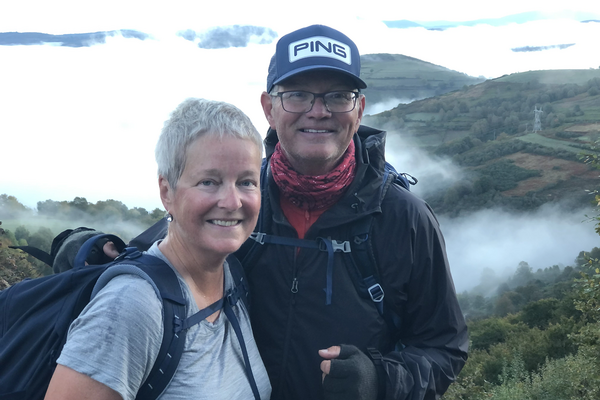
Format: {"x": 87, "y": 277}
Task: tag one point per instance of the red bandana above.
{"x": 313, "y": 192}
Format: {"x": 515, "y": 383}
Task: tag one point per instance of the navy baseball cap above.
{"x": 316, "y": 47}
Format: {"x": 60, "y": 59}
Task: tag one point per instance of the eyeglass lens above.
{"x": 302, "y": 102}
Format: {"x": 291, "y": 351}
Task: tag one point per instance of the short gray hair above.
{"x": 192, "y": 119}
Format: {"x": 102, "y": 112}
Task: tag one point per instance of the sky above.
{"x": 84, "y": 121}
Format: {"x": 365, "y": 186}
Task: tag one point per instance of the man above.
{"x": 320, "y": 334}
{"x": 324, "y": 176}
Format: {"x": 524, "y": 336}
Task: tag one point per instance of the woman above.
{"x": 209, "y": 157}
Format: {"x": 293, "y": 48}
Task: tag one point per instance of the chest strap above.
{"x": 330, "y": 246}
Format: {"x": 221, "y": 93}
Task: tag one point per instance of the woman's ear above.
{"x": 166, "y": 193}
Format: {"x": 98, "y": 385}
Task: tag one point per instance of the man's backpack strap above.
{"x": 368, "y": 281}
{"x": 250, "y": 250}
{"x": 402, "y": 179}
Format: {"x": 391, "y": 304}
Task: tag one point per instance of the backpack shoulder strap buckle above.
{"x": 376, "y": 293}
{"x": 258, "y": 237}
{"x": 341, "y": 246}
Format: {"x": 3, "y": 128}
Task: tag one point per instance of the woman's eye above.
{"x": 206, "y": 183}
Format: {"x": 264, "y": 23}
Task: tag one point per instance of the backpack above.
{"x": 365, "y": 273}
{"x": 35, "y": 316}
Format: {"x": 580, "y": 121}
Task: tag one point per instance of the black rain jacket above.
{"x": 291, "y": 320}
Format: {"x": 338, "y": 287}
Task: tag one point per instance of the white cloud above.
{"x": 501, "y": 240}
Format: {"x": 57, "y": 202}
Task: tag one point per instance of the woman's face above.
{"x": 216, "y": 202}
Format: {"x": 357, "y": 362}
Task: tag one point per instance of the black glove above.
{"x": 352, "y": 376}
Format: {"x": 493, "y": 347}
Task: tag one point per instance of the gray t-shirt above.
{"x": 117, "y": 337}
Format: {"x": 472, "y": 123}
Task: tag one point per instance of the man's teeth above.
{"x": 224, "y": 223}
{"x": 316, "y": 130}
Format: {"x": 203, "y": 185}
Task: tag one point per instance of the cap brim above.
{"x": 359, "y": 82}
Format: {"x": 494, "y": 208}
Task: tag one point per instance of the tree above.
{"x": 42, "y": 239}
{"x": 480, "y": 128}
{"x": 523, "y": 274}
{"x": 488, "y": 332}
{"x": 10, "y": 207}
{"x": 539, "y": 313}
{"x": 504, "y": 306}
{"x": 80, "y": 203}
{"x": 22, "y": 233}
{"x": 51, "y": 208}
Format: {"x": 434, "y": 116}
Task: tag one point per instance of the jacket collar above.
{"x": 365, "y": 194}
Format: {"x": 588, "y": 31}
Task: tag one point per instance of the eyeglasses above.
{"x": 300, "y": 102}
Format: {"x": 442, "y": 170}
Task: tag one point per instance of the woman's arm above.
{"x": 68, "y": 384}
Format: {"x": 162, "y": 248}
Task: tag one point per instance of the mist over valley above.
{"x": 502, "y": 192}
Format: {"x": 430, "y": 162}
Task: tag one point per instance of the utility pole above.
{"x": 537, "y": 123}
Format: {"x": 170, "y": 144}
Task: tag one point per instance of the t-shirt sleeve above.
{"x": 117, "y": 337}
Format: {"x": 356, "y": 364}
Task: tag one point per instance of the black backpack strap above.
{"x": 250, "y": 251}
{"x": 173, "y": 341}
{"x": 37, "y": 253}
{"x": 403, "y": 179}
{"x": 175, "y": 322}
{"x": 363, "y": 258}
{"x": 238, "y": 331}
{"x": 241, "y": 288}
{"x": 165, "y": 281}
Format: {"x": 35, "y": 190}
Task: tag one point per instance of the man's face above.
{"x": 314, "y": 142}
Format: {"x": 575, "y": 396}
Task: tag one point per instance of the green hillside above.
{"x": 400, "y": 77}
{"x": 489, "y": 130}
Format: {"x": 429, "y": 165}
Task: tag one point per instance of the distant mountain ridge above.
{"x": 509, "y": 19}
{"x": 214, "y": 38}
{"x": 68, "y": 40}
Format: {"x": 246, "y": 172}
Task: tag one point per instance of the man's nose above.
{"x": 319, "y": 108}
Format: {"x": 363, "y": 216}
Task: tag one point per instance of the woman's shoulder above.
{"x": 132, "y": 293}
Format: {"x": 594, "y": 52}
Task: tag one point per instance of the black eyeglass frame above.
{"x": 355, "y": 96}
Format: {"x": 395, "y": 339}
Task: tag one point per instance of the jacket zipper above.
{"x": 293, "y": 290}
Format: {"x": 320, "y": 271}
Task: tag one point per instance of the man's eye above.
{"x": 339, "y": 96}
{"x": 206, "y": 183}
{"x": 248, "y": 184}
{"x": 297, "y": 95}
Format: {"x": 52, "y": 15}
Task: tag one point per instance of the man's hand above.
{"x": 110, "y": 250}
{"x": 348, "y": 374}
